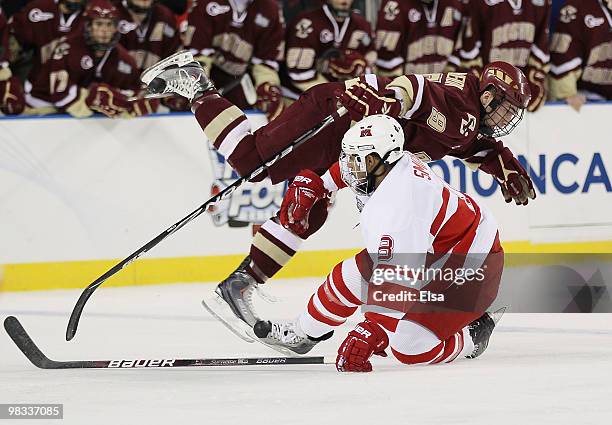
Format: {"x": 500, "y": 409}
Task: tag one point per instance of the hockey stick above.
{"x": 23, "y": 341}
{"x": 73, "y": 322}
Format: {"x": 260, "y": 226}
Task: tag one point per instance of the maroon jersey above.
{"x": 581, "y": 50}
{"x": 440, "y": 116}
{"x": 154, "y": 39}
{"x": 414, "y": 38}
{"x": 39, "y": 26}
{"x": 232, "y": 40}
{"x": 72, "y": 66}
{"x": 4, "y": 53}
{"x": 314, "y": 34}
{"x": 513, "y": 31}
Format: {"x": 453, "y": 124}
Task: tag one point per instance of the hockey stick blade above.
{"x": 75, "y": 316}
{"x": 23, "y": 341}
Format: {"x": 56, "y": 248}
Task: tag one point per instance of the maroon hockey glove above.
{"x": 349, "y": 64}
{"x": 363, "y": 100}
{"x": 361, "y": 343}
{"x": 12, "y": 98}
{"x": 269, "y": 100}
{"x": 107, "y": 100}
{"x": 513, "y": 179}
{"x": 305, "y": 190}
{"x": 141, "y": 107}
{"x": 537, "y": 85}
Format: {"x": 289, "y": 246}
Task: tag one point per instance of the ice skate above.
{"x": 237, "y": 291}
{"x": 232, "y": 302}
{"x": 286, "y": 337}
{"x": 481, "y": 330}
{"x": 177, "y": 74}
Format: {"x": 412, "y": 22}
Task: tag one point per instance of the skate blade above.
{"x": 277, "y": 348}
{"x": 179, "y": 59}
{"x": 497, "y": 315}
{"x": 219, "y": 309}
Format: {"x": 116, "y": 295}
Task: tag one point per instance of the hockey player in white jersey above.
{"x": 410, "y": 220}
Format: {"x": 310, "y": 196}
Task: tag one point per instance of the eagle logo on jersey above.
{"x": 391, "y": 10}
{"x": 385, "y": 248}
{"x": 303, "y": 28}
{"x": 568, "y": 14}
{"x": 366, "y": 131}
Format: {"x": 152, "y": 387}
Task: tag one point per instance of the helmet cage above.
{"x": 354, "y": 172}
{"x": 502, "y": 118}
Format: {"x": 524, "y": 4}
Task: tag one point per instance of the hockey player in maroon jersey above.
{"x": 12, "y": 100}
{"x": 454, "y": 114}
{"x": 40, "y": 25}
{"x": 581, "y": 53}
{"x": 148, "y": 31}
{"x": 514, "y": 31}
{"x": 416, "y": 36}
{"x": 331, "y": 43}
{"x": 429, "y": 230}
{"x": 88, "y": 71}
{"x": 232, "y": 38}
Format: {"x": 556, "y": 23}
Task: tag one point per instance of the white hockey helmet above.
{"x": 379, "y": 134}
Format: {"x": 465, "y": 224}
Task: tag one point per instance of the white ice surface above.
{"x": 539, "y": 369}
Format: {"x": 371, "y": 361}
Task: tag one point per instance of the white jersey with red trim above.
{"x": 415, "y": 211}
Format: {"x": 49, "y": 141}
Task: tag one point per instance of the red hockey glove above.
{"x": 363, "y": 100}
{"x": 106, "y": 100}
{"x": 354, "y": 353}
{"x": 305, "y": 190}
{"x": 537, "y": 85}
{"x": 510, "y": 174}
{"x": 349, "y": 64}
{"x": 12, "y": 98}
{"x": 269, "y": 100}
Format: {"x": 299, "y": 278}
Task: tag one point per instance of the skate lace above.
{"x": 184, "y": 84}
{"x": 284, "y": 333}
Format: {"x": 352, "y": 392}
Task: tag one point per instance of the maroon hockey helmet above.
{"x": 100, "y": 9}
{"x": 511, "y": 96}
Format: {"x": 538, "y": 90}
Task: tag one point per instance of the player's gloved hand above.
{"x": 306, "y": 189}
{"x": 269, "y": 100}
{"x": 513, "y": 179}
{"x": 12, "y": 98}
{"x": 537, "y": 85}
{"x": 349, "y": 64}
{"x": 361, "y": 343}
{"x": 363, "y": 100}
{"x": 107, "y": 100}
{"x": 141, "y": 107}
